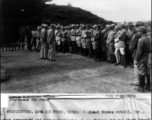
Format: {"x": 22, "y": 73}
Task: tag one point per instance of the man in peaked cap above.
{"x": 141, "y": 58}
{"x": 51, "y": 42}
{"x": 44, "y": 46}
{"x": 130, "y": 33}
{"x": 73, "y": 38}
{"x": 133, "y": 48}
{"x": 110, "y": 43}
{"x": 64, "y": 39}
{"x": 122, "y": 41}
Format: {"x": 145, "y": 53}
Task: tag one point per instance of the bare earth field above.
{"x": 69, "y": 74}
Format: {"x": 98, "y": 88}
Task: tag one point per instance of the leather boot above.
{"x": 148, "y": 82}
{"x": 141, "y": 83}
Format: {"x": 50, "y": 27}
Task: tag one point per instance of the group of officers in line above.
{"x": 122, "y": 44}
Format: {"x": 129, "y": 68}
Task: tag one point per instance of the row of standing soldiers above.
{"x": 122, "y": 44}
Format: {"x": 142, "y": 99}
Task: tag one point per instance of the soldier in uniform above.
{"x": 28, "y": 39}
{"x": 73, "y": 38}
{"x": 69, "y": 39}
{"x": 110, "y": 43}
{"x": 58, "y": 38}
{"x": 34, "y": 37}
{"x": 104, "y": 32}
{"x": 64, "y": 39}
{"x": 83, "y": 40}
{"x": 117, "y": 55}
{"x": 38, "y": 39}
{"x": 141, "y": 58}
{"x": 133, "y": 49}
{"x": 44, "y": 46}
{"x": 129, "y": 37}
{"x": 78, "y": 39}
{"x": 96, "y": 42}
{"x": 122, "y": 41}
{"x": 88, "y": 41}
{"x": 51, "y": 42}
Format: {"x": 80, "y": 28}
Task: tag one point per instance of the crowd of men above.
{"x": 120, "y": 44}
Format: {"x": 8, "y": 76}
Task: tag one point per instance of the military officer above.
{"x": 51, "y": 42}
{"x": 69, "y": 39}
{"x": 64, "y": 39}
{"x": 122, "y": 42}
{"x": 58, "y": 38}
{"x": 104, "y": 32}
{"x": 96, "y": 42}
{"x": 73, "y": 38}
{"x": 129, "y": 37}
{"x": 88, "y": 41}
{"x": 110, "y": 43}
{"x": 133, "y": 49}
{"x": 141, "y": 58}
{"x": 78, "y": 39}
{"x": 83, "y": 40}
{"x": 44, "y": 46}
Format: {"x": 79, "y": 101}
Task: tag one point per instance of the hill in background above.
{"x": 68, "y": 14}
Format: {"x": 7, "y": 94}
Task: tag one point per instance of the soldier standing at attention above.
{"x": 104, "y": 32}
{"x": 110, "y": 43}
{"x": 96, "y": 42}
{"x": 122, "y": 40}
{"x": 51, "y": 42}
{"x": 141, "y": 58}
{"x": 133, "y": 49}
{"x": 28, "y": 39}
{"x": 88, "y": 41}
{"x": 83, "y": 40}
{"x": 117, "y": 55}
{"x": 43, "y": 38}
{"x": 129, "y": 37}
{"x": 58, "y": 38}
{"x": 69, "y": 39}
{"x": 73, "y": 35}
{"x": 78, "y": 39}
{"x": 64, "y": 39}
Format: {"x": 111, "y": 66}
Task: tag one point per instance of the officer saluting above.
{"x": 141, "y": 58}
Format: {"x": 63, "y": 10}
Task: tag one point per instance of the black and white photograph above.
{"x": 75, "y": 46}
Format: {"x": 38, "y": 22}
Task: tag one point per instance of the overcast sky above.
{"x": 115, "y": 10}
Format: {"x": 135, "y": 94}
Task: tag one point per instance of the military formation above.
{"x": 126, "y": 44}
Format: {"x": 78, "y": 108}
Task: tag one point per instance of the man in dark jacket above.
{"x": 141, "y": 58}
{"x": 133, "y": 49}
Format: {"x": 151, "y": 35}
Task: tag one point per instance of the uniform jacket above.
{"x": 110, "y": 38}
{"x": 143, "y": 49}
{"x": 43, "y": 35}
{"x": 50, "y": 36}
{"x": 133, "y": 44}
{"x": 123, "y": 34}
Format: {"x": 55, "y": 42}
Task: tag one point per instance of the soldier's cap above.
{"x": 130, "y": 25}
{"x": 142, "y": 29}
{"x": 122, "y": 25}
{"x": 117, "y": 27}
{"x": 94, "y": 26}
{"x": 148, "y": 23}
{"x": 139, "y": 23}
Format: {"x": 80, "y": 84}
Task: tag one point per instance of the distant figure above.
{"x": 51, "y": 42}
{"x": 28, "y": 38}
{"x": 34, "y": 37}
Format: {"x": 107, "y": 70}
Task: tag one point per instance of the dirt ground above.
{"x": 69, "y": 74}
